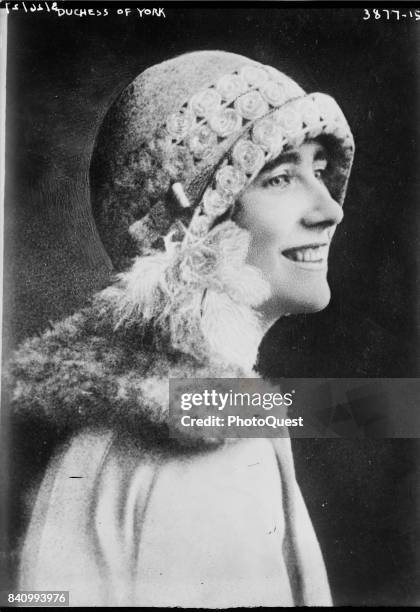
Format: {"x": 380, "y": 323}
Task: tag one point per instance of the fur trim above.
{"x": 182, "y": 314}
{"x": 84, "y": 373}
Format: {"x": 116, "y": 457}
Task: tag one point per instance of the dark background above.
{"x": 62, "y": 75}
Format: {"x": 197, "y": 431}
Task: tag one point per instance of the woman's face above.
{"x": 291, "y": 217}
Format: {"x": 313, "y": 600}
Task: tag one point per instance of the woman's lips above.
{"x": 308, "y": 255}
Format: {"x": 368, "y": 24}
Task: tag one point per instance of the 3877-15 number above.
{"x": 391, "y": 14}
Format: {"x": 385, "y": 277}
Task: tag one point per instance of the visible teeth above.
{"x": 315, "y": 254}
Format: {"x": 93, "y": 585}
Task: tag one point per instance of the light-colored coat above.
{"x": 117, "y": 525}
{"x": 128, "y": 515}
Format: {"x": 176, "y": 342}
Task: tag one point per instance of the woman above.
{"x": 217, "y": 185}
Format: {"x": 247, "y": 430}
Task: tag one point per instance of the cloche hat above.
{"x": 188, "y": 134}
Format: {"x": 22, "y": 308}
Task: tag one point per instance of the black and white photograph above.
{"x": 224, "y": 194}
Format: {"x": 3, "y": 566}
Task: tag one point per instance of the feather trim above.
{"x": 200, "y": 294}
{"x": 232, "y": 330}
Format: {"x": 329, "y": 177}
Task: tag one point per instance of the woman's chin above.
{"x": 275, "y": 308}
{"x": 314, "y": 303}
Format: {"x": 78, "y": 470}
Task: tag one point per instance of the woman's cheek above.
{"x": 267, "y": 222}
{"x": 262, "y": 252}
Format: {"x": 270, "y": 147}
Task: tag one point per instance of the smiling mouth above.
{"x": 312, "y": 254}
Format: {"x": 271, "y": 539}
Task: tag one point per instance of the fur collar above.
{"x": 184, "y": 313}
{"x": 84, "y": 373}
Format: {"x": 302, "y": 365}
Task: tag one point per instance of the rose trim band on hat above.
{"x": 267, "y": 111}
{"x": 289, "y": 125}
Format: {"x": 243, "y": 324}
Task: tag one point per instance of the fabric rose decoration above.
{"x": 205, "y": 103}
{"x": 230, "y": 180}
{"x": 251, "y": 105}
{"x": 289, "y": 120}
{"x": 269, "y": 135}
{"x": 226, "y": 122}
{"x": 231, "y": 86}
{"x": 274, "y": 93}
{"x": 202, "y": 142}
{"x": 248, "y": 156}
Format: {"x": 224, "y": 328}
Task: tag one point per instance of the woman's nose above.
{"x": 322, "y": 209}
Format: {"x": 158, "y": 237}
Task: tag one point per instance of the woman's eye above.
{"x": 320, "y": 173}
{"x": 279, "y": 180}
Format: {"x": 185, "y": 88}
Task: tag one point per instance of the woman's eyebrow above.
{"x": 293, "y": 157}
{"x": 285, "y": 158}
